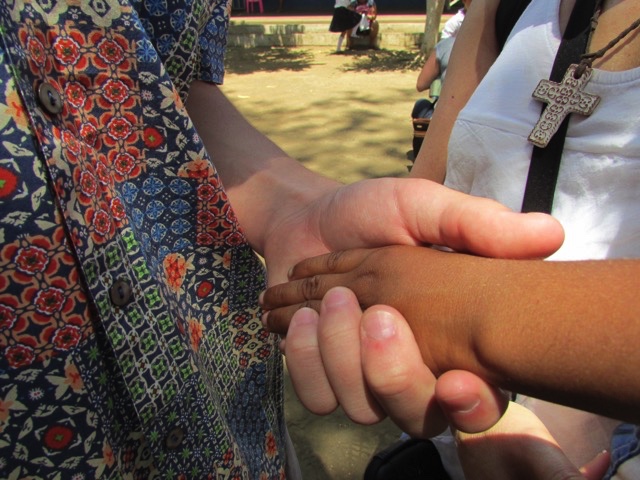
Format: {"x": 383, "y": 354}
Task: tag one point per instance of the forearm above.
{"x": 566, "y": 332}
{"x": 259, "y": 177}
{"x": 562, "y": 331}
{"x": 430, "y": 71}
{"x": 473, "y": 53}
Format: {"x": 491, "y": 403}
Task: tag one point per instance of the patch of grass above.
{"x": 385, "y": 61}
{"x": 241, "y": 60}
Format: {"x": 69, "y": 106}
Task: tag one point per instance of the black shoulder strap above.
{"x": 545, "y": 162}
{"x": 507, "y": 14}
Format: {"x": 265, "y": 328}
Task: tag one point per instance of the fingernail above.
{"x": 462, "y": 403}
{"x": 305, "y": 316}
{"x": 379, "y": 325}
{"x": 261, "y": 298}
{"x": 265, "y": 319}
{"x": 335, "y": 298}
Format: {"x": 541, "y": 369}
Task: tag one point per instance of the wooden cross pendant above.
{"x": 562, "y": 99}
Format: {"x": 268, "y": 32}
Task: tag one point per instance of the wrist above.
{"x": 287, "y": 191}
{"x": 467, "y": 315}
{"x": 493, "y": 326}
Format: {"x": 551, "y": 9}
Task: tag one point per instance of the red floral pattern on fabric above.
{"x": 41, "y": 319}
{"x": 8, "y": 182}
{"x": 119, "y": 184}
{"x": 58, "y": 437}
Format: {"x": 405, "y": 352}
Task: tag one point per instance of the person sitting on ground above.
{"x": 368, "y": 26}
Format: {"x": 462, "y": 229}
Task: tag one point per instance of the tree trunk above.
{"x": 432, "y": 26}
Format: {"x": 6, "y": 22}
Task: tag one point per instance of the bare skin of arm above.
{"x": 430, "y": 71}
{"x": 473, "y": 53}
{"x": 560, "y": 331}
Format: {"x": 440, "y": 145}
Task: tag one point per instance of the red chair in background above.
{"x": 250, "y": 3}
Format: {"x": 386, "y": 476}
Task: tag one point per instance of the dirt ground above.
{"x": 346, "y": 116}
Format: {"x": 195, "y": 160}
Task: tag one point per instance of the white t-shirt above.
{"x": 597, "y": 197}
{"x": 452, "y": 25}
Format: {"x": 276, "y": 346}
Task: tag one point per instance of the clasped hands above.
{"x": 385, "y": 360}
{"x": 409, "y": 362}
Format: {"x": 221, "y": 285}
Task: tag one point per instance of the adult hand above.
{"x": 388, "y": 211}
{"x": 289, "y": 213}
{"x": 517, "y": 446}
{"x": 368, "y": 364}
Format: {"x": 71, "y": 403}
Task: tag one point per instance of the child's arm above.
{"x": 562, "y": 331}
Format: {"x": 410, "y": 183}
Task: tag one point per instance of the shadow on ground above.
{"x": 244, "y": 61}
{"x": 373, "y": 61}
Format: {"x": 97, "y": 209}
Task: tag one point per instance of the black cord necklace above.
{"x": 569, "y": 96}
{"x": 587, "y": 59}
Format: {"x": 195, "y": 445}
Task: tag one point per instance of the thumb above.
{"x": 470, "y": 404}
{"x": 484, "y": 227}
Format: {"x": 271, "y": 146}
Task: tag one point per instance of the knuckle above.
{"x": 310, "y": 287}
{"x": 367, "y": 285}
{"x": 396, "y": 383}
{"x": 366, "y": 416}
{"x": 334, "y": 259}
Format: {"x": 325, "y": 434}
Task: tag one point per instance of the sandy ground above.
{"x": 348, "y": 117}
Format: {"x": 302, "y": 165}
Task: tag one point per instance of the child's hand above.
{"x": 377, "y": 276}
{"x": 428, "y": 287}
